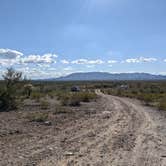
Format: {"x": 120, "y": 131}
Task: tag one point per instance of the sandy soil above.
{"x": 110, "y": 132}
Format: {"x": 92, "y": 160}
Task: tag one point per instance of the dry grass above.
{"x": 37, "y": 117}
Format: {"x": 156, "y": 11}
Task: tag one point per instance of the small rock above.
{"x": 163, "y": 156}
{"x": 106, "y": 112}
{"x": 80, "y": 155}
{"x": 69, "y": 154}
{"x": 47, "y": 123}
{"x": 91, "y": 134}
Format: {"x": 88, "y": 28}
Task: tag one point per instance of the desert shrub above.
{"x": 51, "y": 94}
{"x": 70, "y": 100}
{"x": 36, "y": 96}
{"x": 86, "y": 96}
{"x": 74, "y": 101}
{"x": 75, "y": 98}
{"x": 8, "y": 98}
{"x": 37, "y": 117}
{"x": 64, "y": 99}
{"x": 162, "y": 104}
{"x": 44, "y": 104}
{"x": 7, "y": 102}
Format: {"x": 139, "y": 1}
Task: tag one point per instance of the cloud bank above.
{"x": 9, "y": 54}
{"x": 140, "y": 60}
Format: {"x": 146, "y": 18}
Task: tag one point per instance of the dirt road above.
{"x": 113, "y": 132}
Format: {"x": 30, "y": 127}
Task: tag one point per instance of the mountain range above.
{"x": 97, "y": 76}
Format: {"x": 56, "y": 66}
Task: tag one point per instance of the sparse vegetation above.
{"x": 162, "y": 104}
{"x": 37, "y": 117}
{"x": 44, "y": 104}
{"x": 75, "y": 98}
{"x": 36, "y": 96}
{"x": 152, "y": 93}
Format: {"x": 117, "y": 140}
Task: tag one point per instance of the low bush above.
{"x": 75, "y": 98}
{"x": 44, "y": 104}
{"x": 7, "y": 102}
{"x": 162, "y": 104}
{"x": 36, "y": 96}
{"x": 87, "y": 96}
{"x": 70, "y": 100}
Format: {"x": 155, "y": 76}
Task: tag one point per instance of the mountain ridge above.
{"x": 96, "y": 76}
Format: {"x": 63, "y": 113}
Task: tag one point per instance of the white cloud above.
{"x": 9, "y": 54}
{"x": 46, "y": 58}
{"x": 140, "y": 60}
{"x": 162, "y": 73}
{"x": 112, "y": 61}
{"x": 64, "y": 61}
{"x": 7, "y": 62}
{"x": 43, "y": 65}
{"x": 85, "y": 61}
{"x": 164, "y": 60}
{"x": 69, "y": 68}
{"x": 90, "y": 66}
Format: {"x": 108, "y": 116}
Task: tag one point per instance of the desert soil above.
{"x": 113, "y": 131}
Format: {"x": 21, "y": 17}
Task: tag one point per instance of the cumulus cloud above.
{"x": 10, "y": 57}
{"x": 164, "y": 60}
{"x": 140, "y": 60}
{"x": 46, "y": 58}
{"x": 64, "y": 61}
{"x": 9, "y": 54}
{"x": 7, "y": 62}
{"x": 86, "y": 61}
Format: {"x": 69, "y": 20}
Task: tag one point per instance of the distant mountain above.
{"x": 108, "y": 76}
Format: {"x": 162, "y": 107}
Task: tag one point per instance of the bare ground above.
{"x": 111, "y": 132}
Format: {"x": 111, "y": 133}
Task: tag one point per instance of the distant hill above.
{"x": 108, "y": 76}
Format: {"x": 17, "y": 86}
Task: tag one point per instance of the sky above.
{"x": 52, "y": 38}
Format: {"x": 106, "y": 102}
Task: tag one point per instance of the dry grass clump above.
{"x": 36, "y": 96}
{"x": 61, "y": 110}
{"x": 37, "y": 117}
{"x": 44, "y": 104}
{"x": 162, "y": 104}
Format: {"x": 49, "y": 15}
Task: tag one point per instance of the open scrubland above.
{"x": 102, "y": 125}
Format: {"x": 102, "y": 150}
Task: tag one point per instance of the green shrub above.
{"x": 7, "y": 102}
{"x": 36, "y": 96}
{"x": 8, "y": 97}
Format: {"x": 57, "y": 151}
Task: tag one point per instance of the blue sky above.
{"x": 50, "y": 38}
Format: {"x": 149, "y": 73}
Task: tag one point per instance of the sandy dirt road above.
{"x": 114, "y": 132}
